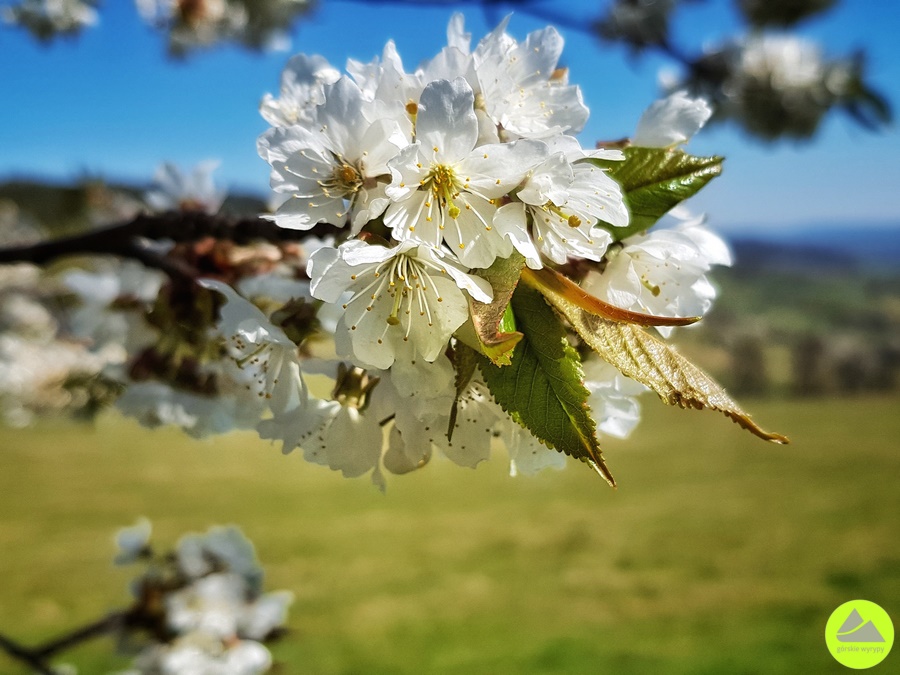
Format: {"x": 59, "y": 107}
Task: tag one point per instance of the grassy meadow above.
{"x": 717, "y": 554}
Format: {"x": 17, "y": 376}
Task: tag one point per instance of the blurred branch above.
{"x": 26, "y": 656}
{"x": 129, "y": 239}
{"x": 36, "y": 657}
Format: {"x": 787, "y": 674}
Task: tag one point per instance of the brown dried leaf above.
{"x": 490, "y": 331}
{"x": 649, "y": 360}
{"x": 612, "y": 333}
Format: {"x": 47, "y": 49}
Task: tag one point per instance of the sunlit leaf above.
{"x": 652, "y": 362}
{"x": 654, "y": 180}
{"x": 543, "y": 387}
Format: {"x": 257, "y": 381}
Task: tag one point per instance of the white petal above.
{"x": 353, "y": 442}
{"x": 672, "y": 120}
{"x": 446, "y": 119}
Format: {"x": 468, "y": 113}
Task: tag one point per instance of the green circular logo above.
{"x": 859, "y": 634}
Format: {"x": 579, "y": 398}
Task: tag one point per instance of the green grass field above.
{"x": 717, "y": 554}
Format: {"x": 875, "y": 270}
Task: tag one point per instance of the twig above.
{"x": 24, "y": 655}
{"x": 36, "y": 657}
{"x": 100, "y": 627}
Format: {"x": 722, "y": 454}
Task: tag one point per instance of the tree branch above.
{"x": 128, "y": 239}
{"x": 26, "y": 656}
{"x": 107, "y": 624}
{"x": 36, "y": 657}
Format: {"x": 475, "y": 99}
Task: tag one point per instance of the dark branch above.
{"x": 26, "y": 656}
{"x": 107, "y": 624}
{"x": 36, "y": 657}
{"x": 128, "y": 240}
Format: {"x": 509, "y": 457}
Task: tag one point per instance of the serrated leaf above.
{"x": 654, "y": 180}
{"x": 543, "y": 387}
{"x": 491, "y": 330}
{"x": 652, "y": 362}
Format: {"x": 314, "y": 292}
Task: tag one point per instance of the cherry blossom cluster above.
{"x": 432, "y": 176}
{"x": 47, "y": 18}
{"x": 205, "y": 598}
{"x": 408, "y": 188}
{"x": 202, "y": 23}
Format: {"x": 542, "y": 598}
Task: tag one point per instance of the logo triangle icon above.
{"x": 855, "y": 629}
{"x": 853, "y": 621}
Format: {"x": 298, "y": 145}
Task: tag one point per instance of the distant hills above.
{"x": 867, "y": 247}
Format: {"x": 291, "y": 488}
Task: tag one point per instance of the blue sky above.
{"x": 110, "y": 103}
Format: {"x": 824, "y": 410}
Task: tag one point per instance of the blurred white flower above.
{"x": 671, "y": 121}
{"x": 46, "y": 18}
{"x": 114, "y": 297}
{"x": 175, "y": 190}
{"x": 155, "y": 404}
{"x": 527, "y": 455}
{"x": 638, "y": 23}
{"x": 220, "y": 548}
{"x": 210, "y": 605}
{"x": 191, "y": 24}
{"x": 200, "y": 654}
{"x": 132, "y": 542}
{"x": 613, "y": 400}
{"x": 663, "y": 272}
{"x": 302, "y": 89}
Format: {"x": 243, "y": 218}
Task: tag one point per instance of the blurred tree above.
{"x": 808, "y": 366}
{"x": 748, "y": 366}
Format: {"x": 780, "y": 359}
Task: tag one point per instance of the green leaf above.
{"x": 654, "y": 180}
{"x": 543, "y": 387}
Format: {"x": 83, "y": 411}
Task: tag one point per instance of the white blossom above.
{"x": 154, "y": 404}
{"x": 302, "y": 89}
{"x": 175, "y": 190}
{"x": 613, "y": 400}
{"x": 334, "y": 170}
{"x": 663, "y": 272}
{"x": 520, "y": 87}
{"x": 114, "y": 297}
{"x": 564, "y": 200}
{"x": 258, "y": 24}
{"x": 132, "y": 541}
{"x": 219, "y": 548}
{"x": 410, "y": 292}
{"x": 672, "y": 120}
{"x": 211, "y": 605}
{"x": 261, "y": 350}
{"x": 201, "y": 654}
{"x": 445, "y": 188}
{"x": 527, "y": 455}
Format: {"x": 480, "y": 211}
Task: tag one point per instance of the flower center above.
{"x": 445, "y": 187}
{"x": 345, "y": 181}
{"x": 352, "y": 386}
